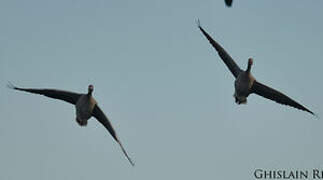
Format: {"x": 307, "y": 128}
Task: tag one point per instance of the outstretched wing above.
{"x": 272, "y": 94}
{"x": 100, "y": 116}
{"x": 227, "y": 59}
{"x": 67, "y": 96}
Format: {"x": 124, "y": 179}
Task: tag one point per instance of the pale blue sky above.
{"x": 165, "y": 89}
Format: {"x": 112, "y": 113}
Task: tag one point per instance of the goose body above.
{"x": 245, "y": 84}
{"x": 242, "y": 86}
{"x": 85, "y": 106}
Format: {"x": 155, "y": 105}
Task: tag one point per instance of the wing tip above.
{"x": 126, "y": 154}
{"x": 311, "y": 112}
{"x": 198, "y": 22}
{"x": 132, "y": 163}
{"x": 315, "y": 115}
{"x": 11, "y": 86}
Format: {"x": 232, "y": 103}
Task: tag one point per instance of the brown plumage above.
{"x": 246, "y": 84}
{"x": 85, "y": 106}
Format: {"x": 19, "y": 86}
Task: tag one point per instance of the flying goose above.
{"x": 228, "y": 2}
{"x": 246, "y": 84}
{"x": 85, "y": 106}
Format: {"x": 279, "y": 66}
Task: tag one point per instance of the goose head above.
{"x": 90, "y": 89}
{"x": 250, "y": 62}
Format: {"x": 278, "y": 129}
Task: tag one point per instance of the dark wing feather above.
{"x": 272, "y": 94}
{"x": 100, "y": 116}
{"x": 228, "y": 2}
{"x": 70, "y": 97}
{"x": 227, "y": 59}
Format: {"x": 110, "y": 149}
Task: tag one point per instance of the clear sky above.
{"x": 164, "y": 88}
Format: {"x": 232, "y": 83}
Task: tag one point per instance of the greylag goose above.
{"x": 85, "y": 106}
{"x": 228, "y": 2}
{"x": 245, "y": 84}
